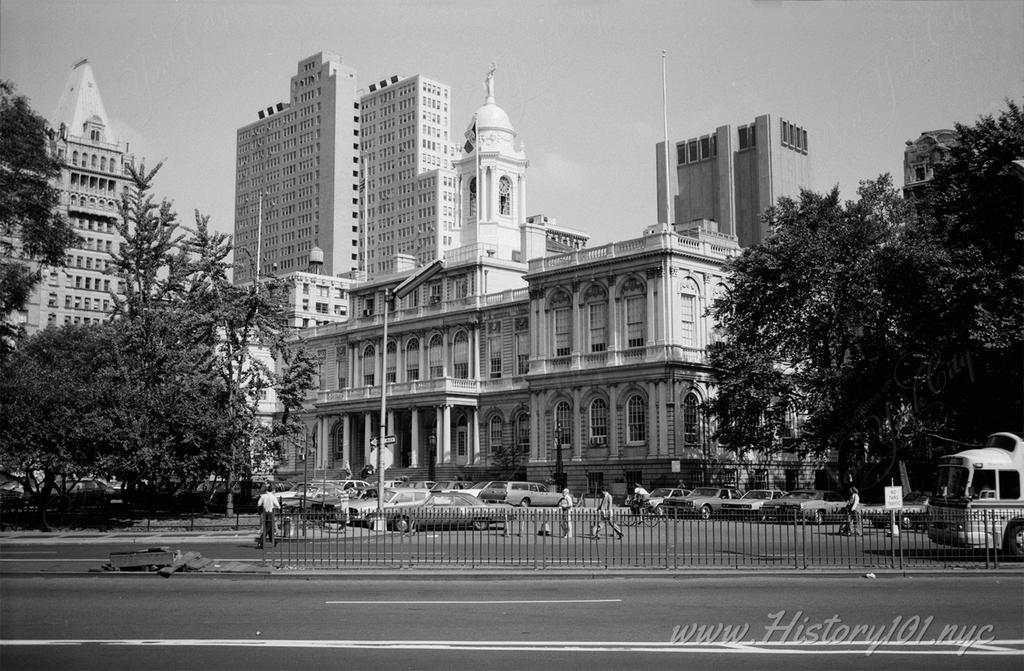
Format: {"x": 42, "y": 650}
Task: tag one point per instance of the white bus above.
{"x": 978, "y": 500}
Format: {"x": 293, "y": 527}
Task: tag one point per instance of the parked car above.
{"x": 320, "y": 495}
{"x": 477, "y": 487}
{"x": 751, "y": 503}
{"x": 447, "y": 510}
{"x": 415, "y": 484}
{"x": 359, "y": 510}
{"x": 659, "y": 494}
{"x": 12, "y": 493}
{"x": 913, "y": 514}
{"x": 702, "y": 501}
{"x": 451, "y": 486}
{"x": 518, "y": 493}
{"x": 814, "y": 505}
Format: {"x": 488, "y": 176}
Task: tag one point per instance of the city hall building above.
{"x": 530, "y": 347}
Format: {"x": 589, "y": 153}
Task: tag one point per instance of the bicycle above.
{"x": 643, "y": 513}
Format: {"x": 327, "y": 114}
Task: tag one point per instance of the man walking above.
{"x": 565, "y": 504}
{"x": 605, "y": 515}
{"x": 853, "y": 521}
{"x": 267, "y": 504}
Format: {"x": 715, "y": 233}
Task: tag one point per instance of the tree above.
{"x": 893, "y": 332}
{"x": 32, "y": 232}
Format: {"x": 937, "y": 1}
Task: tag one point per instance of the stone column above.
{"x": 346, "y": 441}
{"x": 446, "y": 444}
{"x": 474, "y": 437}
{"x": 368, "y": 431}
{"x": 414, "y": 453}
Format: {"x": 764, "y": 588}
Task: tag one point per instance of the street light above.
{"x": 560, "y": 479}
{"x": 401, "y": 291}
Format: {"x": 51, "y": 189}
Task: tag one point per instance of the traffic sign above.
{"x": 893, "y": 498}
{"x": 387, "y": 458}
{"x": 373, "y": 442}
{"x": 390, "y": 440}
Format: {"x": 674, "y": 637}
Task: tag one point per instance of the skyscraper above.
{"x": 297, "y": 176}
{"x": 407, "y": 155}
{"x": 91, "y": 182}
{"x": 730, "y": 176}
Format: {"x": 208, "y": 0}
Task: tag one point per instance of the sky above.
{"x": 580, "y": 80}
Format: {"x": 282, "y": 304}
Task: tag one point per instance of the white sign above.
{"x": 373, "y": 442}
{"x": 893, "y": 498}
{"x": 676, "y": 466}
{"x": 390, "y": 440}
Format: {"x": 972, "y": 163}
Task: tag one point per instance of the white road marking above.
{"x": 1008, "y": 647}
{"x": 477, "y": 601}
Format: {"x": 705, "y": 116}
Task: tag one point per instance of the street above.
{"x": 794, "y": 622}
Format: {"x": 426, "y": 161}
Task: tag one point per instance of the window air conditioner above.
{"x": 598, "y": 440}
{"x": 367, "y": 313}
{"x": 435, "y": 299}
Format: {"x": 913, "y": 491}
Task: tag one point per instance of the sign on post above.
{"x": 893, "y": 498}
{"x": 390, "y": 440}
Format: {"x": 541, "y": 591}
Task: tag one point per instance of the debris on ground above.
{"x": 164, "y": 561}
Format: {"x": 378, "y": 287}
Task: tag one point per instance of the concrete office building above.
{"x": 91, "y": 182}
{"x": 297, "y": 175}
{"x": 407, "y": 155}
{"x": 730, "y": 176}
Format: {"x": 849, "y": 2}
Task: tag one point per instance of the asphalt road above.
{"x": 800, "y": 622}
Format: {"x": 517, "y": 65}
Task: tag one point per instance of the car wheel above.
{"x": 817, "y": 517}
{"x": 481, "y": 525}
{"x": 659, "y": 511}
{"x": 906, "y": 523}
{"x": 1015, "y": 539}
{"x": 705, "y": 512}
{"x": 525, "y": 503}
{"x": 403, "y": 524}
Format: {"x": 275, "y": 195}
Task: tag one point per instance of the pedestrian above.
{"x": 267, "y": 504}
{"x": 640, "y": 498}
{"x": 565, "y": 505}
{"x": 853, "y": 521}
{"x": 604, "y": 510}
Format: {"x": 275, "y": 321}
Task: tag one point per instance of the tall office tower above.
{"x": 297, "y": 176}
{"x": 410, "y": 185}
{"x": 729, "y": 177}
{"x": 91, "y": 182}
{"x": 922, "y": 155}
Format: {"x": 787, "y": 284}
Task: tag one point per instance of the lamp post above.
{"x": 560, "y": 479}
{"x": 401, "y": 291}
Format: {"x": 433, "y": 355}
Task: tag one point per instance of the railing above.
{"x": 537, "y": 538}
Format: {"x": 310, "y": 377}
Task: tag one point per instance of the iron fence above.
{"x": 542, "y": 538}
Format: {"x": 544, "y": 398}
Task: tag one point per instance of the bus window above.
{"x": 983, "y": 479}
{"x": 1009, "y": 485}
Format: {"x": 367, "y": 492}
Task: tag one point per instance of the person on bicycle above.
{"x": 641, "y": 499}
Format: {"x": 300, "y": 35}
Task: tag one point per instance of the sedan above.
{"x": 814, "y": 505}
{"x": 702, "y": 501}
{"x": 912, "y": 515}
{"x": 359, "y": 511}
{"x": 751, "y": 503}
{"x": 662, "y": 493}
{"x": 447, "y": 510}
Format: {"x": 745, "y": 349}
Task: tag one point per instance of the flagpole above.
{"x": 664, "y": 103}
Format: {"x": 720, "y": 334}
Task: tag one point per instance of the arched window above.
{"x": 598, "y": 422}
{"x": 460, "y": 356}
{"x": 691, "y": 415}
{"x": 688, "y": 314}
{"x": 391, "y": 374}
{"x": 74, "y": 158}
{"x": 636, "y": 419}
{"x": 95, "y": 161}
{"x": 505, "y": 196}
{"x": 435, "y": 357}
{"x": 412, "y": 360}
{"x": 494, "y": 428}
{"x": 472, "y": 197}
{"x": 103, "y": 164}
{"x": 369, "y": 363}
{"x": 522, "y": 428}
{"x": 563, "y": 423}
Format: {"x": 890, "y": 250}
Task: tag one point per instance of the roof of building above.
{"x": 81, "y": 102}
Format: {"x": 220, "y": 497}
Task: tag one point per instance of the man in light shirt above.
{"x": 267, "y": 504}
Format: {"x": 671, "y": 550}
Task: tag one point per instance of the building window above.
{"x": 598, "y": 317}
{"x": 342, "y": 365}
{"x": 435, "y": 357}
{"x": 636, "y": 419}
{"x": 636, "y": 317}
{"x": 598, "y": 422}
{"x": 505, "y": 196}
{"x": 391, "y": 374}
{"x": 460, "y": 355}
{"x": 369, "y": 363}
{"x": 494, "y": 354}
{"x": 691, "y": 150}
{"x": 687, "y": 319}
{"x": 412, "y": 360}
{"x": 563, "y": 331}
{"x": 705, "y": 147}
{"x": 563, "y": 423}
{"x": 691, "y": 424}
{"x": 595, "y": 482}
{"x": 522, "y": 425}
{"x": 494, "y": 434}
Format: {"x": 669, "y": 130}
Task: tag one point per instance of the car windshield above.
{"x": 757, "y": 494}
{"x": 805, "y": 495}
{"x": 662, "y": 491}
{"x": 479, "y": 485}
{"x": 704, "y": 491}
